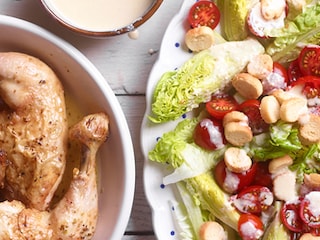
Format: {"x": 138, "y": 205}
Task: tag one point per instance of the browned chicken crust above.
{"x": 75, "y": 216}
{"x": 33, "y": 128}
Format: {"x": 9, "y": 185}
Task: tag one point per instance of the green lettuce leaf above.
{"x": 307, "y": 161}
{"x": 295, "y": 9}
{"x": 303, "y": 30}
{"x": 181, "y": 217}
{"x": 193, "y": 214}
{"x": 206, "y": 191}
{"x": 282, "y": 139}
{"x": 178, "y": 149}
{"x": 170, "y": 146}
{"x": 276, "y": 230}
{"x": 234, "y": 18}
{"x": 186, "y": 158}
{"x": 208, "y": 71}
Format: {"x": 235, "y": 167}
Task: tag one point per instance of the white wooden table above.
{"x": 125, "y": 64}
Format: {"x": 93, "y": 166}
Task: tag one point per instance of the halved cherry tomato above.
{"x": 252, "y": 109}
{"x": 263, "y": 176}
{"x": 204, "y": 13}
{"x": 278, "y": 68}
{"x": 208, "y": 134}
{"x": 253, "y": 199}
{"x": 311, "y": 84}
{"x": 220, "y": 105}
{"x": 294, "y": 72}
{"x": 309, "y": 60}
{"x": 314, "y": 231}
{"x": 309, "y": 212}
{"x": 277, "y": 80}
{"x": 290, "y": 216}
{"x": 250, "y": 227}
{"x": 233, "y": 182}
{"x": 259, "y": 26}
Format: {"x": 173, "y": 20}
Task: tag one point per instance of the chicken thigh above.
{"x": 75, "y": 216}
{"x": 33, "y": 129}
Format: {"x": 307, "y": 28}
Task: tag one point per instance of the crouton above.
{"x": 284, "y": 186}
{"x": 272, "y": 9}
{"x": 237, "y": 160}
{"x": 200, "y": 38}
{"x": 212, "y": 231}
{"x": 260, "y": 66}
{"x": 312, "y": 180}
{"x": 281, "y": 95}
{"x": 291, "y": 109}
{"x": 270, "y": 109}
{"x": 235, "y": 116}
{"x": 247, "y": 85}
{"x": 309, "y": 236}
{"x": 237, "y": 134}
{"x": 309, "y": 131}
{"x": 277, "y": 164}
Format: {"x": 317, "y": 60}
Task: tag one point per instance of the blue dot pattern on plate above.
{"x": 162, "y": 186}
{"x": 172, "y": 232}
{"x": 177, "y": 44}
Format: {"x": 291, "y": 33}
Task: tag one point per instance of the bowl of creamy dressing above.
{"x": 101, "y": 18}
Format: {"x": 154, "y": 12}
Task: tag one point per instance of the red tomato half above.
{"x": 281, "y": 70}
{"x": 250, "y": 227}
{"x": 233, "y": 182}
{"x": 252, "y": 109}
{"x": 290, "y": 217}
{"x": 294, "y": 72}
{"x": 204, "y": 13}
{"x": 208, "y": 134}
{"x": 309, "y": 60}
{"x": 309, "y": 212}
{"x": 220, "y": 105}
{"x": 263, "y": 176}
{"x": 277, "y": 80}
{"x": 311, "y": 84}
{"x": 253, "y": 199}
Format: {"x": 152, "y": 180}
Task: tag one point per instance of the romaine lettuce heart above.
{"x": 208, "y": 71}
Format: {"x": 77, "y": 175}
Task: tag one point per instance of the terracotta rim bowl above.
{"x": 125, "y": 29}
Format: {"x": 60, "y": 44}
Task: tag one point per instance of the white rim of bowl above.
{"x": 128, "y": 195}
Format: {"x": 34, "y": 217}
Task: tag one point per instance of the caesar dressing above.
{"x": 214, "y": 133}
{"x": 134, "y": 34}
{"x": 100, "y": 15}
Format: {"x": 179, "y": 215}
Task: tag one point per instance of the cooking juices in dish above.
{"x": 100, "y": 15}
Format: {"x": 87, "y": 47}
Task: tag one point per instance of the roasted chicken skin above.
{"x": 33, "y": 129}
{"x": 75, "y": 216}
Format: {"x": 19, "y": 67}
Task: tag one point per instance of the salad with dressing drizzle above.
{"x": 245, "y": 156}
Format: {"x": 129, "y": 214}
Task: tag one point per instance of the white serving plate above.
{"x": 173, "y": 53}
{"x": 91, "y": 91}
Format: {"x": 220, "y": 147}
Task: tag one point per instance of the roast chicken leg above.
{"x": 33, "y": 129}
{"x": 75, "y": 216}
